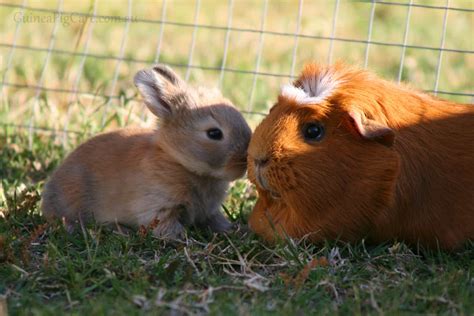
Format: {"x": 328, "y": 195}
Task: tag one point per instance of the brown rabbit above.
{"x": 346, "y": 155}
{"x": 178, "y": 173}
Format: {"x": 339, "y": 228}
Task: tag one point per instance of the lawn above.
{"x": 87, "y": 57}
{"x": 99, "y": 270}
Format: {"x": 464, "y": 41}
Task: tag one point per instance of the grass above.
{"x": 87, "y": 111}
{"x": 44, "y": 270}
{"x": 97, "y": 270}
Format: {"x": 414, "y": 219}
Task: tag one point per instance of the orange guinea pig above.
{"x": 346, "y": 155}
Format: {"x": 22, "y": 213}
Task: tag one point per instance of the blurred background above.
{"x": 66, "y": 67}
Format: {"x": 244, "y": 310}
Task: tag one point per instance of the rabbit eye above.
{"x": 313, "y": 131}
{"x": 214, "y": 133}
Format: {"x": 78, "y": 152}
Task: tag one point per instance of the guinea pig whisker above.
{"x": 237, "y": 164}
{"x": 275, "y": 195}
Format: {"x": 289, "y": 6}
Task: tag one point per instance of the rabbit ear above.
{"x": 159, "y": 86}
{"x": 370, "y": 129}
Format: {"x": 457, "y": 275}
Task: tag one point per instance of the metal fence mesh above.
{"x": 67, "y": 68}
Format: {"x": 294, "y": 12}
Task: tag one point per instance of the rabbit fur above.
{"x": 176, "y": 173}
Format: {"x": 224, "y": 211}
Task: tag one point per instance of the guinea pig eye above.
{"x": 214, "y": 133}
{"x": 313, "y": 131}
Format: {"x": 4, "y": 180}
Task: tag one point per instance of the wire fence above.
{"x": 67, "y": 69}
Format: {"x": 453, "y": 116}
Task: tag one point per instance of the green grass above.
{"x": 87, "y": 111}
{"x": 45, "y": 270}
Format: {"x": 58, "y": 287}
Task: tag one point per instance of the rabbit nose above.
{"x": 261, "y": 162}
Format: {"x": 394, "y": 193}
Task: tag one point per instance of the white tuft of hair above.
{"x": 314, "y": 90}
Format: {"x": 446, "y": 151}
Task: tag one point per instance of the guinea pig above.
{"x": 177, "y": 173}
{"x": 346, "y": 155}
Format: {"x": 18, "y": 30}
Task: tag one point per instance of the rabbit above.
{"x": 177, "y": 174}
{"x": 345, "y": 155}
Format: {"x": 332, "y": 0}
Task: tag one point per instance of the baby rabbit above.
{"x": 177, "y": 174}
{"x": 346, "y": 155}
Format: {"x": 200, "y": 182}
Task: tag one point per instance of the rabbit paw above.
{"x": 218, "y": 223}
{"x": 170, "y": 229}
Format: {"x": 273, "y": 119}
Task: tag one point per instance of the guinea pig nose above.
{"x": 261, "y": 162}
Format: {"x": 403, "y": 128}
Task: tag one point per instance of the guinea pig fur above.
{"x": 177, "y": 173}
{"x": 346, "y": 155}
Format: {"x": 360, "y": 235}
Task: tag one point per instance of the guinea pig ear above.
{"x": 159, "y": 86}
{"x": 370, "y": 129}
